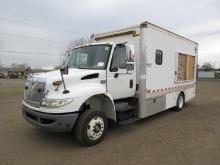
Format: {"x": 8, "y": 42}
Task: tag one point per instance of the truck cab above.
{"x": 98, "y": 78}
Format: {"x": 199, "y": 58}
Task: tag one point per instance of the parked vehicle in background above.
{"x": 122, "y": 76}
{"x": 2, "y": 75}
{"x": 206, "y": 74}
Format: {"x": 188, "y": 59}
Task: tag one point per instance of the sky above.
{"x": 37, "y": 32}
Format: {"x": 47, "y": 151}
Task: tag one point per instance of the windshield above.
{"x": 89, "y": 57}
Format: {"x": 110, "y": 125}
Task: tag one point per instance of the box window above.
{"x": 186, "y": 67}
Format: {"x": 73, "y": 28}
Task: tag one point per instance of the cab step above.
{"x": 129, "y": 121}
{"x": 124, "y": 106}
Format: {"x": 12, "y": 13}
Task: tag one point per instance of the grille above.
{"x": 31, "y": 116}
{"x": 34, "y": 93}
{"x": 41, "y": 120}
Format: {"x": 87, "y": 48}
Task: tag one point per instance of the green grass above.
{"x": 217, "y": 76}
{"x": 8, "y": 90}
{"x": 22, "y": 77}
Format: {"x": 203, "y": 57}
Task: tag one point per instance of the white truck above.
{"x": 122, "y": 76}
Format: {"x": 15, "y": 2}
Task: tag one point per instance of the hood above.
{"x": 74, "y": 79}
{"x": 73, "y": 74}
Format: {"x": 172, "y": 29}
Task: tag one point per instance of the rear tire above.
{"x": 180, "y": 102}
{"x": 91, "y": 127}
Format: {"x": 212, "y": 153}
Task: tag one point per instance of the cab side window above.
{"x": 118, "y": 59}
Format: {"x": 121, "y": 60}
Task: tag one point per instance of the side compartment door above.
{"x": 121, "y": 81}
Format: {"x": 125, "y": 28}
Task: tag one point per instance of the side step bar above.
{"x": 129, "y": 121}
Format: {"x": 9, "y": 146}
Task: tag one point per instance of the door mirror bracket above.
{"x": 129, "y": 66}
{"x": 116, "y": 75}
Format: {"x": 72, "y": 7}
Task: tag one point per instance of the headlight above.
{"x": 56, "y": 103}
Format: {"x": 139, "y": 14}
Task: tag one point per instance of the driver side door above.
{"x": 120, "y": 82}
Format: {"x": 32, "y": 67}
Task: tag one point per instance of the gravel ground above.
{"x": 189, "y": 137}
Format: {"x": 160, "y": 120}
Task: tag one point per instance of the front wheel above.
{"x": 91, "y": 127}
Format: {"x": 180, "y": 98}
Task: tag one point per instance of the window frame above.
{"x": 107, "y": 60}
{"x": 177, "y": 79}
{"x": 159, "y": 53}
{"x": 119, "y": 68}
{"x": 110, "y": 68}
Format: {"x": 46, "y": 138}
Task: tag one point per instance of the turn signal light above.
{"x": 57, "y": 83}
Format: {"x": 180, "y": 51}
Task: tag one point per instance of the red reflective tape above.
{"x": 148, "y": 91}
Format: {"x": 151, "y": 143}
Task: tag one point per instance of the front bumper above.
{"x": 50, "y": 122}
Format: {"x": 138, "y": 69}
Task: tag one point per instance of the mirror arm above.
{"x": 64, "y": 70}
{"x": 64, "y": 85}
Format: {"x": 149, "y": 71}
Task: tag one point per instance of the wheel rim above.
{"x": 180, "y": 102}
{"x": 95, "y": 128}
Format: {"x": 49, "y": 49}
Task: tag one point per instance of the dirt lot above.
{"x": 173, "y": 138}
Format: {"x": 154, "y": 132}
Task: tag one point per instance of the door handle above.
{"x": 116, "y": 75}
{"x": 131, "y": 83}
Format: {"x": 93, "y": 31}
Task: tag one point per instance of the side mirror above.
{"x": 130, "y": 53}
{"x": 64, "y": 70}
{"x": 130, "y": 57}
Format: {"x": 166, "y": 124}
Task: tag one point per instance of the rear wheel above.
{"x": 180, "y": 102}
{"x": 91, "y": 127}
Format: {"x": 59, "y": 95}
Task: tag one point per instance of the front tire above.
{"x": 180, "y": 102}
{"x": 91, "y": 127}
